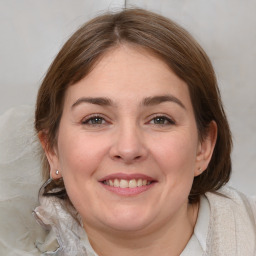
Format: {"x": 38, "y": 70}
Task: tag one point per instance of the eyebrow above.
{"x": 149, "y": 101}
{"x": 101, "y": 101}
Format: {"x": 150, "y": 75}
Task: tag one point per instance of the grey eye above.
{"x": 159, "y": 120}
{"x": 94, "y": 120}
{"x": 162, "y": 120}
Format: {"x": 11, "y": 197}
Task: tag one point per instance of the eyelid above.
{"x": 91, "y": 116}
{"x": 168, "y": 118}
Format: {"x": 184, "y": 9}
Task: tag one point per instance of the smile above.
{"x": 127, "y": 184}
{"x": 122, "y": 183}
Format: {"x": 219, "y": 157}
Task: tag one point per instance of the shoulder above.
{"x": 234, "y": 201}
{"x": 232, "y": 227}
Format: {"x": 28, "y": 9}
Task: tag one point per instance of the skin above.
{"x": 96, "y": 139}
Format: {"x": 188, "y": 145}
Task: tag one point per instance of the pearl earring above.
{"x": 57, "y": 172}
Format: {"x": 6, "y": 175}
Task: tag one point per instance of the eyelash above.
{"x": 92, "y": 118}
{"x": 161, "y": 118}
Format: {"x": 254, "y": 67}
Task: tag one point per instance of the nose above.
{"x": 128, "y": 145}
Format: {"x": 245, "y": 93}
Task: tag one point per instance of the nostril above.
{"x": 120, "y": 157}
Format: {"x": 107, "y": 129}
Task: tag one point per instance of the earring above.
{"x": 57, "y": 172}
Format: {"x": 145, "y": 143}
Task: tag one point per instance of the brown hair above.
{"x": 174, "y": 46}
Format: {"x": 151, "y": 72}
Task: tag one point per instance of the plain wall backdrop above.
{"x": 32, "y": 32}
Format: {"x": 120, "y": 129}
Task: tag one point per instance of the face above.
{"x": 128, "y": 146}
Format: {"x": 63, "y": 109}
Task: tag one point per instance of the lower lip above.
{"x": 128, "y": 191}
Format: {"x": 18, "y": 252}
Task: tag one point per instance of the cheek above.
{"x": 176, "y": 154}
{"x": 79, "y": 153}
{"x": 80, "y": 156}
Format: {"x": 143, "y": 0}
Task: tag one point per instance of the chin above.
{"x": 125, "y": 226}
{"x": 128, "y": 220}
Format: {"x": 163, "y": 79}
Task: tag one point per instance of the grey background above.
{"x": 32, "y": 32}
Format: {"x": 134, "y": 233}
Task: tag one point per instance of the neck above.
{"x": 169, "y": 238}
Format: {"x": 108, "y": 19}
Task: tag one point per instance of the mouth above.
{"x": 127, "y": 185}
{"x": 123, "y": 183}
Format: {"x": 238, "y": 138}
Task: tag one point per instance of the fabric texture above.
{"x": 232, "y": 229}
{"x": 63, "y": 221}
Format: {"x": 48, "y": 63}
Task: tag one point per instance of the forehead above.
{"x": 128, "y": 72}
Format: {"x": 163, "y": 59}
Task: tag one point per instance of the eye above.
{"x": 94, "y": 120}
{"x": 162, "y": 120}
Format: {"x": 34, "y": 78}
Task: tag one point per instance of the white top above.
{"x": 197, "y": 244}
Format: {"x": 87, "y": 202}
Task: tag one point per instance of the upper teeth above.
{"x": 127, "y": 183}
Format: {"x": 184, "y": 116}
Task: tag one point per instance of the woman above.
{"x": 137, "y": 146}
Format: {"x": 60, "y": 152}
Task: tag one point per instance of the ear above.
{"x": 51, "y": 154}
{"x": 205, "y": 149}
